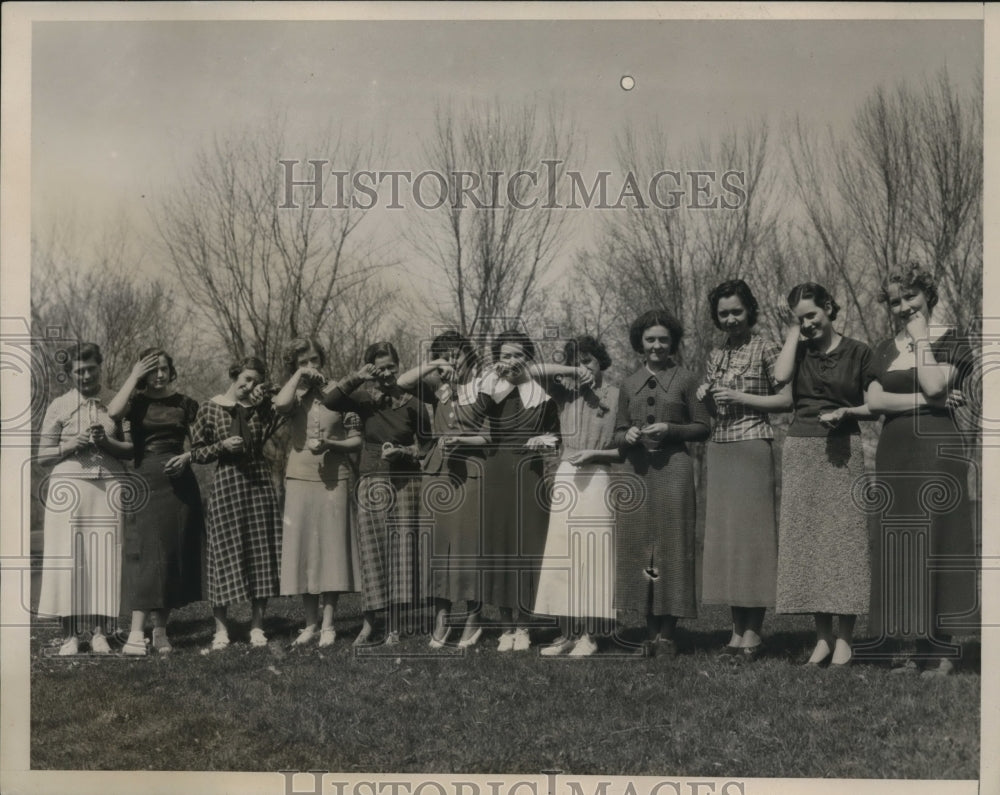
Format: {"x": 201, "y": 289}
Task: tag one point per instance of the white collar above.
{"x": 530, "y": 392}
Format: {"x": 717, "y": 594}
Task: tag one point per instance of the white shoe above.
{"x": 561, "y": 645}
{"x": 70, "y": 647}
{"x": 220, "y": 640}
{"x": 135, "y": 646}
{"x": 327, "y": 637}
{"x": 391, "y": 639}
{"x": 257, "y": 638}
{"x": 471, "y": 640}
{"x": 160, "y": 641}
{"x": 584, "y": 647}
{"x": 522, "y": 641}
{"x": 99, "y": 644}
{"x": 506, "y": 642}
{"x": 306, "y": 636}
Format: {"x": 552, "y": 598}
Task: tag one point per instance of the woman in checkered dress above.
{"x": 658, "y": 413}
{"x": 392, "y": 538}
{"x": 244, "y": 524}
{"x": 741, "y": 534}
{"x": 319, "y": 558}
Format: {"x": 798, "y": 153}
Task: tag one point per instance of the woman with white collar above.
{"x": 523, "y": 424}
{"x": 244, "y": 524}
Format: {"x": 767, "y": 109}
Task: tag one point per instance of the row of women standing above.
{"x": 496, "y": 530}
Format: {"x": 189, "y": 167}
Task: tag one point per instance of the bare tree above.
{"x": 495, "y": 234}
{"x": 258, "y": 265}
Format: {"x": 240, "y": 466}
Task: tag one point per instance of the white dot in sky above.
{"x": 628, "y": 82}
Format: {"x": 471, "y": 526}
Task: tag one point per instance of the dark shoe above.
{"x": 729, "y": 652}
{"x": 665, "y": 648}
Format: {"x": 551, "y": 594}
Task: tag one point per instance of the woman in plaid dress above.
{"x": 658, "y": 413}
{"x": 741, "y": 534}
{"x": 244, "y": 525}
{"x": 392, "y": 540}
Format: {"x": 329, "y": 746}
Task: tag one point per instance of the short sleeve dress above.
{"x": 161, "y": 554}
{"x": 577, "y": 573}
{"x": 318, "y": 551}
{"x": 923, "y": 528}
{"x": 244, "y": 524}
{"x": 741, "y": 530}
{"x": 823, "y": 562}
{"x": 655, "y": 538}
{"x": 85, "y": 509}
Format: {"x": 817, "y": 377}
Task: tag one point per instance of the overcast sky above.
{"x": 119, "y": 108}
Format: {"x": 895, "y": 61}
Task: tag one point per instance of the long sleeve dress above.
{"x": 393, "y": 531}
{"x": 244, "y": 524}
{"x": 655, "y": 539}
{"x": 161, "y": 554}
{"x": 85, "y": 507}
{"x": 453, "y": 492}
{"x": 923, "y": 528}
{"x": 515, "y": 493}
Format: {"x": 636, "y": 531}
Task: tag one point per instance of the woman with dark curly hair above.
{"x": 741, "y": 534}
{"x": 319, "y": 558}
{"x": 244, "y": 525}
{"x": 919, "y": 375}
{"x": 523, "y": 426}
{"x": 658, "y": 413}
{"x": 392, "y": 544}
{"x": 161, "y": 554}
{"x": 822, "y": 535}
{"x": 577, "y": 575}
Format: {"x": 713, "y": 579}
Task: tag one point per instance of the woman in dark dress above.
{"x": 161, "y": 553}
{"x": 453, "y": 471}
{"x": 391, "y": 541}
{"x": 244, "y": 524}
{"x": 524, "y": 429}
{"x": 920, "y": 465}
{"x": 822, "y": 534}
{"x": 658, "y": 414}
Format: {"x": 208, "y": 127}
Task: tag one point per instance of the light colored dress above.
{"x": 85, "y": 506}
{"x": 577, "y": 573}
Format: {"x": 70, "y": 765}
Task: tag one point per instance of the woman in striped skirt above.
{"x": 244, "y": 525}
{"x": 392, "y": 543}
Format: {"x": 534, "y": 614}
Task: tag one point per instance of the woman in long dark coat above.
{"x": 658, "y": 414}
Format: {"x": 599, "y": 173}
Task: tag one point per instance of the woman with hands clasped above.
{"x": 741, "y": 535}
{"x": 919, "y": 375}
{"x": 319, "y": 558}
{"x": 576, "y": 582}
{"x": 823, "y": 565}
{"x": 244, "y": 525}
{"x": 391, "y": 541}
{"x": 85, "y": 448}
{"x": 161, "y": 553}
{"x": 658, "y": 413}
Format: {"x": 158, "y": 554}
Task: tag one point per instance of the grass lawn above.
{"x": 409, "y": 709}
